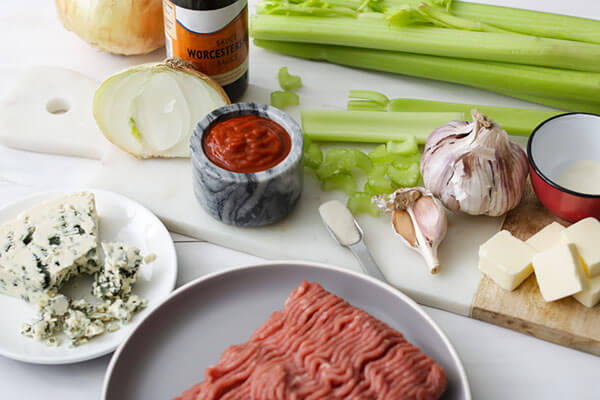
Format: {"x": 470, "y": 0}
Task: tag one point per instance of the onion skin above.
{"x": 124, "y": 27}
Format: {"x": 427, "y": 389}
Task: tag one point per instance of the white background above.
{"x": 500, "y": 363}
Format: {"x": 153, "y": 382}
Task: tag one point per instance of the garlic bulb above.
{"x": 419, "y": 219}
{"x": 474, "y": 167}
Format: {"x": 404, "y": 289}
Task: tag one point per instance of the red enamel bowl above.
{"x": 552, "y": 147}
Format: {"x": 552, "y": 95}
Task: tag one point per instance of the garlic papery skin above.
{"x": 474, "y": 167}
{"x": 419, "y": 219}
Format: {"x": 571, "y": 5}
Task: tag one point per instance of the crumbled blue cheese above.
{"x": 124, "y": 310}
{"x": 150, "y": 258}
{"x": 51, "y": 313}
{"x": 47, "y": 245}
{"x": 79, "y": 328}
{"x": 79, "y": 319}
{"x": 119, "y": 272}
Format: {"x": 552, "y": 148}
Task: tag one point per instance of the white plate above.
{"x": 170, "y": 349}
{"x": 121, "y": 219}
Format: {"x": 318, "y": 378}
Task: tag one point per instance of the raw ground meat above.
{"x": 321, "y": 347}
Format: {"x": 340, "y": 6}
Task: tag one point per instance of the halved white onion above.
{"x": 151, "y": 110}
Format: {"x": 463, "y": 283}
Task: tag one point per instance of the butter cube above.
{"x": 559, "y": 272}
{"x": 547, "y": 237}
{"x": 586, "y": 236}
{"x": 506, "y": 260}
{"x": 589, "y": 296}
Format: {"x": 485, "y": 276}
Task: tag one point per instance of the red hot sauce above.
{"x": 248, "y": 143}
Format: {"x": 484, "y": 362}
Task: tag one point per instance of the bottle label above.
{"x": 214, "y": 41}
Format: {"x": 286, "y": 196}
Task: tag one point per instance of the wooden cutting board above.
{"x": 565, "y": 322}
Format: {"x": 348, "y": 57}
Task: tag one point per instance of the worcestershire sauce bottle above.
{"x": 213, "y": 36}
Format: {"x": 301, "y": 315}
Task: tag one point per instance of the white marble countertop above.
{"x": 500, "y": 363}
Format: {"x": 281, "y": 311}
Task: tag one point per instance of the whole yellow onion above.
{"x": 117, "y": 26}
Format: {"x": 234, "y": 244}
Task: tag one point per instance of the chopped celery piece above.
{"x": 378, "y": 182}
{"x": 406, "y": 147}
{"x": 313, "y": 156}
{"x": 325, "y": 171}
{"x": 371, "y": 126}
{"x": 288, "y": 81}
{"x": 380, "y": 155}
{"x": 362, "y": 160}
{"x": 404, "y": 177}
{"x": 360, "y": 202}
{"x": 341, "y": 181}
{"x": 342, "y": 158}
{"x": 405, "y": 161}
{"x": 307, "y": 142}
{"x": 345, "y": 160}
{"x": 382, "y": 186}
{"x": 281, "y": 99}
{"x": 378, "y": 171}
{"x": 538, "y": 84}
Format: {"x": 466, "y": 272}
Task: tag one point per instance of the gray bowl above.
{"x": 247, "y": 199}
{"x": 169, "y": 350}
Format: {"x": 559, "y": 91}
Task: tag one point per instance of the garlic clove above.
{"x": 431, "y": 218}
{"x": 404, "y": 227}
{"x": 419, "y": 219}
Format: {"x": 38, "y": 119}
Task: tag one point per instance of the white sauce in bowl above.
{"x": 582, "y": 176}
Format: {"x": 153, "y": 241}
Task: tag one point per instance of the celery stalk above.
{"x": 516, "y": 121}
{"x": 365, "y": 105}
{"x": 529, "y": 22}
{"x": 522, "y": 81}
{"x": 371, "y": 32}
{"x": 556, "y": 102}
{"x": 371, "y": 126}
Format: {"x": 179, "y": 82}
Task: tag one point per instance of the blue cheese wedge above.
{"x": 119, "y": 272}
{"x": 47, "y": 245}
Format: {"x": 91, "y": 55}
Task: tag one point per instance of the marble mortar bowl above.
{"x": 248, "y": 199}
